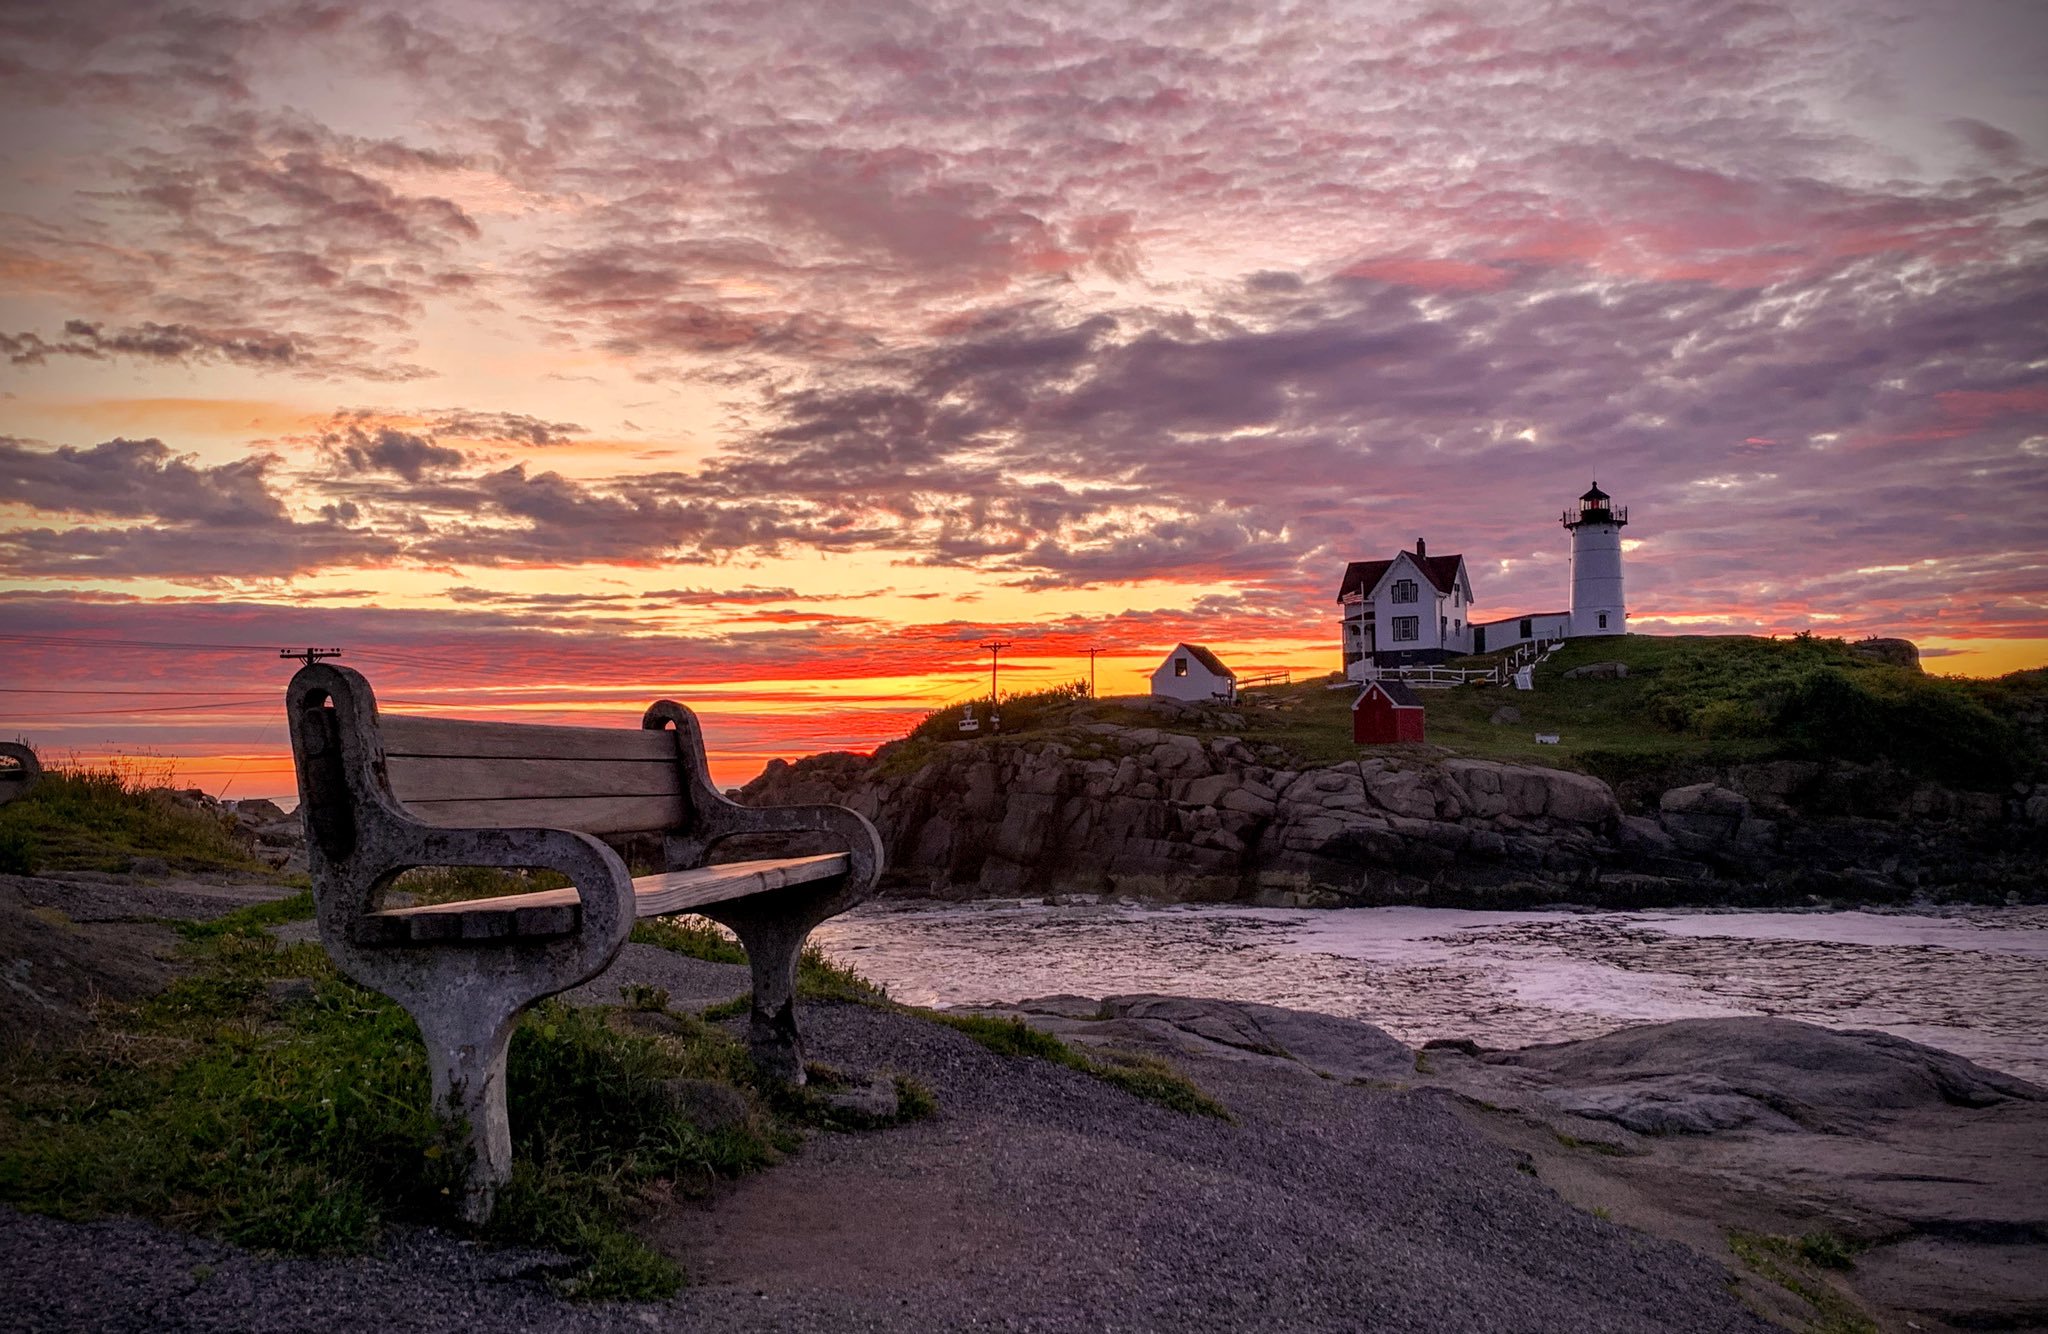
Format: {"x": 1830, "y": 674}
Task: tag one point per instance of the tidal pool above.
{"x": 1970, "y": 980}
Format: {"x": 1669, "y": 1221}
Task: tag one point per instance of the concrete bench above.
{"x": 382, "y": 794}
{"x": 19, "y": 770}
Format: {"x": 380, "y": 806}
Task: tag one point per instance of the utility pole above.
{"x": 995, "y": 648}
{"x": 1093, "y": 649}
{"x": 309, "y": 656}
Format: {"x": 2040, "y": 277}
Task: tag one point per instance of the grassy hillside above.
{"x": 1687, "y": 701}
{"x": 104, "y": 819}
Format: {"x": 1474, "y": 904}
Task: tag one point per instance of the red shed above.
{"x": 1386, "y": 711}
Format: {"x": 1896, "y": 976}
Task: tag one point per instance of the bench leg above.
{"x": 466, "y": 1054}
{"x": 773, "y": 947}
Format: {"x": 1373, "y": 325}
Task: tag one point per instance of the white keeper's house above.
{"x": 1192, "y": 672}
{"x": 1417, "y": 608}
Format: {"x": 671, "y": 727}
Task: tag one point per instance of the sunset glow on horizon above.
{"x": 551, "y": 359}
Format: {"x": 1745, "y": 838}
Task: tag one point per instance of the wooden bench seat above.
{"x": 381, "y": 795}
{"x": 547, "y": 912}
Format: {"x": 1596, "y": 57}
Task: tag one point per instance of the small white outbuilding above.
{"x": 1192, "y": 672}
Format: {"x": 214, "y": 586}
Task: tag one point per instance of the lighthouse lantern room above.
{"x": 1598, "y": 605}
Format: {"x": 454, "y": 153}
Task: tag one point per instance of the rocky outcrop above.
{"x": 1146, "y": 812}
{"x": 1897, "y": 652}
{"x": 274, "y": 838}
{"x": 1696, "y": 1076}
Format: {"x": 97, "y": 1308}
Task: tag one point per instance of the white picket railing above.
{"x": 1443, "y": 678}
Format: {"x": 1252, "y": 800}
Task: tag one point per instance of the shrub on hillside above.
{"x": 1022, "y": 712}
{"x": 1927, "y": 725}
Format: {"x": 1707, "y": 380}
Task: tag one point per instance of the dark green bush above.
{"x": 17, "y": 852}
{"x": 1023, "y": 712}
{"x": 1923, "y": 724}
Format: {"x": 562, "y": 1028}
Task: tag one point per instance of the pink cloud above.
{"x": 1448, "y": 275}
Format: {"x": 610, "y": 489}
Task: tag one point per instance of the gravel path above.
{"x": 691, "y": 984}
{"x": 86, "y": 896}
{"x": 1036, "y": 1199}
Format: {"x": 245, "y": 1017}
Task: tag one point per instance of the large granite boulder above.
{"x": 258, "y": 811}
{"x": 1321, "y": 1045}
{"x": 1897, "y": 652}
{"x": 1702, "y": 1075}
{"x": 1704, "y": 817}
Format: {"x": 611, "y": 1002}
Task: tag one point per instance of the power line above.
{"x": 80, "y": 641}
{"x": 134, "y": 713}
{"x": 159, "y": 694}
{"x": 241, "y": 703}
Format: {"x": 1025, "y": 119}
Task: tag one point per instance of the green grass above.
{"x": 1140, "y": 1076}
{"x": 1688, "y": 702}
{"x": 811, "y": 1102}
{"x": 1694, "y": 700}
{"x": 817, "y": 977}
{"x": 304, "y": 1126}
{"x": 820, "y": 979}
{"x": 697, "y": 937}
{"x": 106, "y": 818}
{"x": 459, "y": 884}
{"x": 1827, "y": 1250}
{"x": 914, "y": 1099}
{"x": 257, "y": 916}
{"x": 1791, "y": 1263}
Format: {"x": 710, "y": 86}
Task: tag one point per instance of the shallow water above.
{"x": 1971, "y": 980}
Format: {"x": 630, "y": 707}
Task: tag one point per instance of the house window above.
{"x": 1404, "y": 590}
{"x": 1180, "y": 666}
{"x": 1407, "y": 628}
{"x": 1527, "y": 630}
{"x": 1603, "y": 620}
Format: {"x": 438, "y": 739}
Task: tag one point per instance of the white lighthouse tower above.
{"x": 1598, "y": 607}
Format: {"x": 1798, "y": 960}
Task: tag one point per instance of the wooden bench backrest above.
{"x": 600, "y": 780}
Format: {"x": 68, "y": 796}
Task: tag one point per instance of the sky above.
{"x": 553, "y": 357}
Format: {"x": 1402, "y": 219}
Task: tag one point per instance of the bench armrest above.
{"x": 839, "y": 824}
{"x": 358, "y": 837}
{"x": 715, "y": 819}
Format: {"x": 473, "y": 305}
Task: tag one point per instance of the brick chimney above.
{"x": 1420, "y": 549}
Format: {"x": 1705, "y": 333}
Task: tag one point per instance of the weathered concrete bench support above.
{"x": 380, "y": 796}
{"x": 20, "y": 770}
